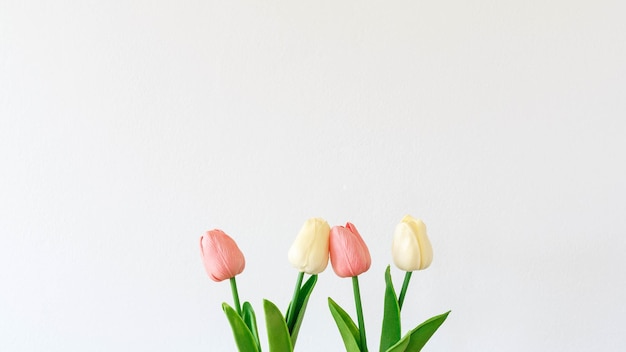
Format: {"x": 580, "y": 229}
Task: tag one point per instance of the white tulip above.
{"x": 411, "y": 249}
{"x": 309, "y": 252}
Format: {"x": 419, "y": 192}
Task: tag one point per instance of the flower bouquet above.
{"x": 315, "y": 244}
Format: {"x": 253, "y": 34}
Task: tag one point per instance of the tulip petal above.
{"x": 349, "y": 254}
{"x": 309, "y": 252}
{"x": 221, "y": 256}
{"x": 426, "y": 250}
{"x": 405, "y": 248}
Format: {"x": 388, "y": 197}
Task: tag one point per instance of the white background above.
{"x": 127, "y": 128}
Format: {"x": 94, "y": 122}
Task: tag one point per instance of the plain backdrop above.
{"x": 128, "y": 128}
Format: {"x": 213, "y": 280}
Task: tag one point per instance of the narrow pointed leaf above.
{"x": 277, "y": 332}
{"x": 250, "y": 319}
{"x": 348, "y": 330}
{"x": 243, "y": 337}
{"x": 418, "y": 337}
{"x": 303, "y": 300}
{"x": 391, "y": 331}
{"x": 287, "y": 311}
{"x": 290, "y": 314}
{"x": 421, "y": 334}
{"x": 400, "y": 346}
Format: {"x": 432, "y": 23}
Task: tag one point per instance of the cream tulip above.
{"x": 309, "y": 252}
{"x": 411, "y": 249}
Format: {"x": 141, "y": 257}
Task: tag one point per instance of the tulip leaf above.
{"x": 302, "y": 301}
{"x": 277, "y": 332}
{"x": 348, "y": 330}
{"x": 242, "y": 334}
{"x": 250, "y": 319}
{"x": 418, "y": 337}
{"x": 291, "y": 309}
{"x": 400, "y": 346}
{"x": 391, "y": 330}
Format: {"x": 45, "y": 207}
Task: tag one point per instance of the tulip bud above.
{"x": 309, "y": 252}
{"x": 411, "y": 249}
{"x": 349, "y": 255}
{"x": 221, "y": 257}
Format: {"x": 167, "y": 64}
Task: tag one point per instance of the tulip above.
{"x": 309, "y": 252}
{"x": 411, "y": 249}
{"x": 349, "y": 255}
{"x": 221, "y": 257}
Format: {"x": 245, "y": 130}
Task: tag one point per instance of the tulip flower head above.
{"x": 221, "y": 256}
{"x": 309, "y": 252}
{"x": 411, "y": 248}
{"x": 349, "y": 254}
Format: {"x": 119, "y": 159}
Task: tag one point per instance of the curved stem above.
{"x": 233, "y": 288}
{"x": 292, "y": 307}
{"x": 359, "y": 312}
{"x": 405, "y": 285}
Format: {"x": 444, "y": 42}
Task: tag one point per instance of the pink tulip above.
{"x": 349, "y": 255}
{"x": 221, "y": 257}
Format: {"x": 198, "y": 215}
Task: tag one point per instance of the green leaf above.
{"x": 290, "y": 313}
{"x": 287, "y": 313}
{"x": 421, "y": 334}
{"x": 243, "y": 337}
{"x": 277, "y": 332}
{"x": 391, "y": 330}
{"x": 400, "y": 346}
{"x": 303, "y": 300}
{"x": 250, "y": 319}
{"x": 348, "y": 330}
{"x": 418, "y": 337}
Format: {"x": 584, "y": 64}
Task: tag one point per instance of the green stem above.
{"x": 359, "y": 312}
{"x": 292, "y": 307}
{"x": 405, "y": 285}
{"x": 233, "y": 288}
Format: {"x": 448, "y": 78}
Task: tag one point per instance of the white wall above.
{"x": 129, "y": 128}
